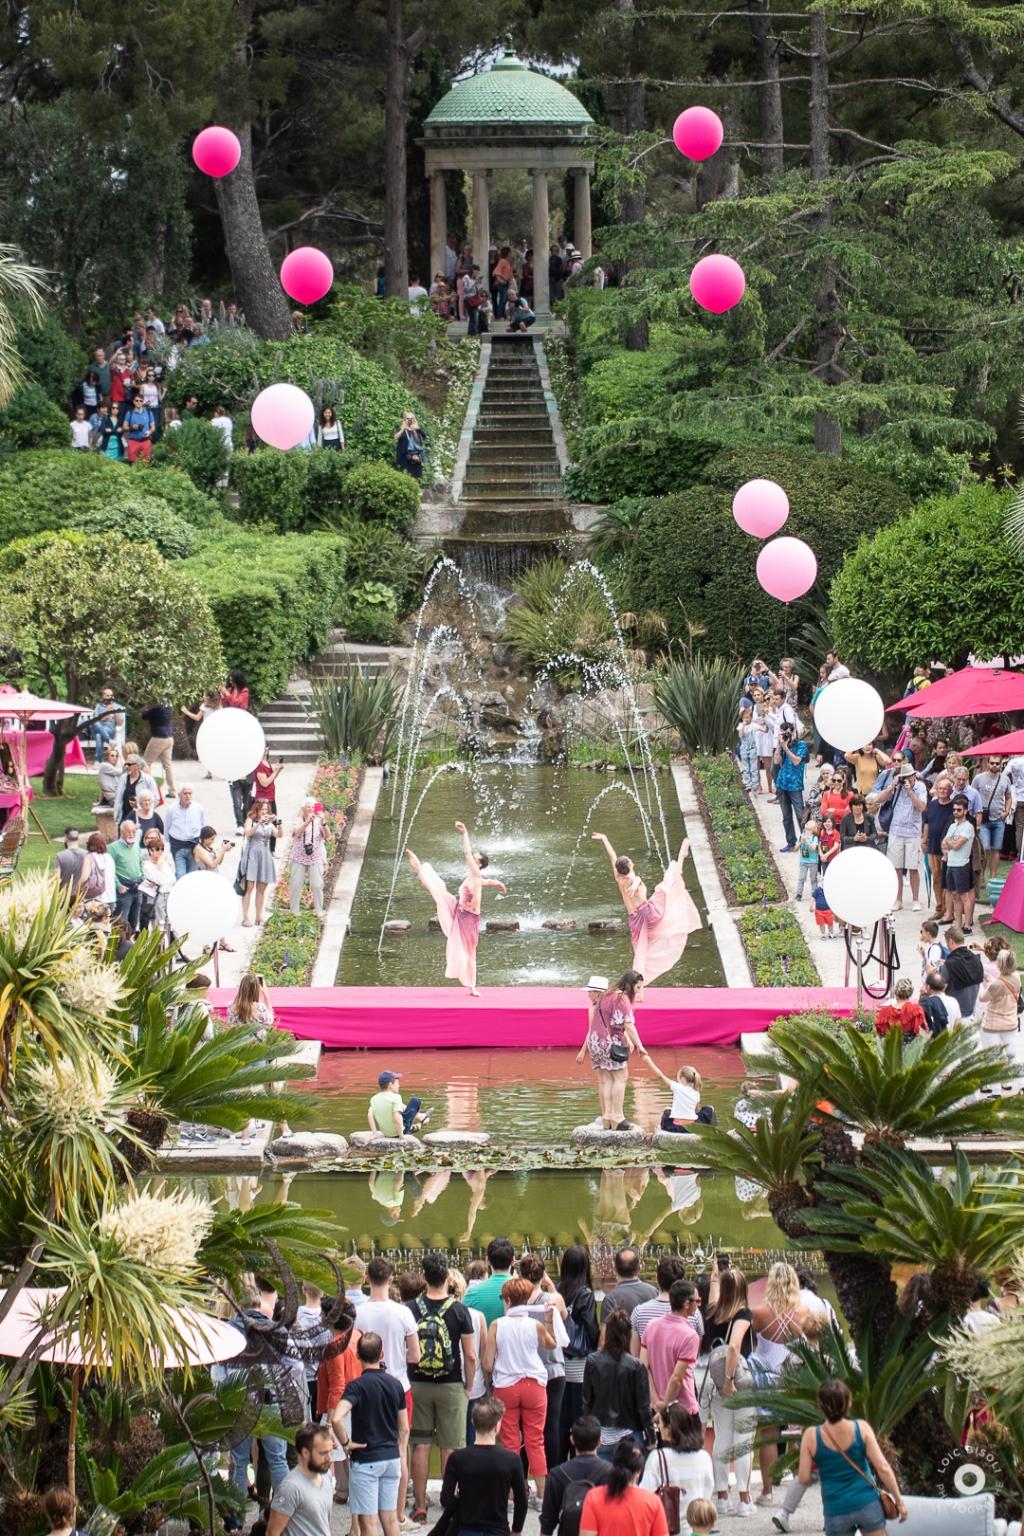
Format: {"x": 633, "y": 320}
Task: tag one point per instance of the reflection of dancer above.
{"x": 459, "y": 916}
{"x": 659, "y": 925}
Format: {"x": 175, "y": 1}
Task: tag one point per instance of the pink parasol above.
{"x": 971, "y": 691}
{"x": 24, "y": 707}
{"x": 1007, "y": 745}
{"x": 202, "y": 1340}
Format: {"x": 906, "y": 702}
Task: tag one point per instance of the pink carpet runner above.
{"x": 527, "y": 1018}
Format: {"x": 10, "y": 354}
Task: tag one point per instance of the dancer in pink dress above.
{"x": 459, "y": 916}
{"x": 659, "y": 925}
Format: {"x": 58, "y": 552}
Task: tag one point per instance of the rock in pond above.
{"x": 605, "y": 925}
{"x": 502, "y": 925}
{"x": 434, "y": 925}
{"x": 309, "y": 1144}
{"x": 594, "y": 1136}
{"x": 398, "y": 926}
{"x": 560, "y": 924}
{"x": 371, "y": 1141}
{"x": 457, "y": 1139}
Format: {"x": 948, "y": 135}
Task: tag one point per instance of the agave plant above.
{"x": 698, "y": 697}
{"x": 358, "y": 714}
{"x": 551, "y": 618}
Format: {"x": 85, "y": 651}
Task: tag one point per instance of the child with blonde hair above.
{"x": 701, "y": 1517}
{"x": 686, "y": 1106}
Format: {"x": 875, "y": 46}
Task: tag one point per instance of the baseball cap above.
{"x": 387, "y": 1078}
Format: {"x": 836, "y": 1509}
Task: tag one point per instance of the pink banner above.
{"x": 1009, "y": 909}
{"x": 40, "y": 745}
{"x": 525, "y": 1018}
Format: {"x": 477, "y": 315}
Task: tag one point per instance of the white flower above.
{"x": 161, "y": 1232}
{"x": 70, "y": 1098}
{"x": 23, "y": 899}
{"x": 87, "y": 984}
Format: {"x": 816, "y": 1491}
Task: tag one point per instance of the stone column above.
{"x": 438, "y": 227}
{"x": 582, "y": 213}
{"x": 481, "y": 222}
{"x": 541, "y": 241}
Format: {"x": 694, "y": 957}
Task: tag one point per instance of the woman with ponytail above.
{"x": 618, "y": 1507}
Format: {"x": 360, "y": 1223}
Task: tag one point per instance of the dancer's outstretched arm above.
{"x": 496, "y": 885}
{"x": 684, "y": 850}
{"x": 599, "y": 837}
{"x": 467, "y": 849}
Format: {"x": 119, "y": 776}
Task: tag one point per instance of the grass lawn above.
{"x": 72, "y": 809}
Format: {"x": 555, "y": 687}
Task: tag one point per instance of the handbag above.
{"x": 885, "y": 815}
{"x": 240, "y": 880}
{"x": 890, "y": 1506}
{"x": 718, "y": 1364}
{"x": 669, "y": 1495}
{"x": 617, "y": 1052}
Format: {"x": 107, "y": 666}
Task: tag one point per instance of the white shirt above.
{"x": 684, "y": 1101}
{"x": 812, "y": 1302}
{"x": 80, "y": 434}
{"x": 691, "y": 1470}
{"x": 954, "y": 1013}
{"x": 225, "y": 425}
{"x": 106, "y": 863}
{"x": 157, "y": 877}
{"x": 394, "y": 1322}
{"x": 518, "y": 1351}
{"x": 157, "y": 325}
{"x": 837, "y": 672}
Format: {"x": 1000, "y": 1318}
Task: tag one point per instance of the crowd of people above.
{"x": 613, "y": 1405}
{"x": 504, "y": 291}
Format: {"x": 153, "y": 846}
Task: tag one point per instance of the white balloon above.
{"x": 860, "y": 886}
{"x": 204, "y": 906}
{"x": 848, "y": 714}
{"x": 230, "y": 743}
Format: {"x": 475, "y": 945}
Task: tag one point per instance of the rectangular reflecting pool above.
{"x": 528, "y": 819}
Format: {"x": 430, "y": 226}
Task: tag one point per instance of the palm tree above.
{"x": 20, "y": 285}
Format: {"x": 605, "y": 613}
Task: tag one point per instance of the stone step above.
{"x": 507, "y": 436}
{"x": 517, "y": 417}
{"x": 293, "y": 735}
{"x": 482, "y": 481}
{"x": 520, "y": 498}
{"x": 497, "y": 461}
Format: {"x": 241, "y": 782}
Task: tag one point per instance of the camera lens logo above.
{"x": 967, "y": 1471}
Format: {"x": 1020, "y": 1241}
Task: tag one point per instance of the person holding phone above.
{"x": 265, "y": 788}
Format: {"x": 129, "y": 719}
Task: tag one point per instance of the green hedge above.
{"x": 31, "y": 420}
{"x": 750, "y": 870}
{"x": 271, "y": 487}
{"x": 322, "y": 488}
{"x": 691, "y": 563}
{"x": 232, "y": 370}
{"x": 47, "y": 488}
{"x": 777, "y": 949}
{"x": 138, "y": 518}
{"x": 274, "y": 599}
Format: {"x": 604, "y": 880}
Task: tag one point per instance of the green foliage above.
{"x": 377, "y": 493}
{"x": 274, "y": 599}
{"x": 384, "y": 330}
{"x": 52, "y": 358}
{"x": 139, "y": 518}
{"x": 324, "y": 492}
{"x": 552, "y": 618}
{"x": 287, "y": 949}
{"x": 233, "y": 369}
{"x": 377, "y": 553}
{"x": 777, "y": 949}
{"x": 637, "y": 456}
{"x": 749, "y": 869}
{"x": 693, "y": 565}
{"x": 371, "y": 613}
{"x": 31, "y": 420}
{"x": 44, "y": 489}
{"x": 614, "y": 533}
{"x": 941, "y": 581}
{"x": 198, "y": 448}
{"x": 271, "y": 486}
{"x": 358, "y": 714}
{"x": 698, "y": 698}
{"x": 777, "y": 1152}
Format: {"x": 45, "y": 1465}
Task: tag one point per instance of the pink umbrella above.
{"x": 24, "y": 707}
{"x": 971, "y": 691}
{"x": 1007, "y": 745}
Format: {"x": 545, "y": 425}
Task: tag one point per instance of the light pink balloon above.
{"x": 786, "y": 568}
{"x": 282, "y": 415}
{"x": 760, "y": 507}
{"x": 306, "y": 274}
{"x": 216, "y": 151}
{"x": 698, "y": 133}
{"x": 717, "y": 283}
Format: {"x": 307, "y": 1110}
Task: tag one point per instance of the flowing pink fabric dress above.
{"x": 460, "y": 926}
{"x": 660, "y": 927}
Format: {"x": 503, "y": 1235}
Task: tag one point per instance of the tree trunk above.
{"x": 258, "y": 292}
{"x": 627, "y": 111}
{"x": 828, "y": 431}
{"x": 396, "y": 102}
{"x": 769, "y": 95}
{"x": 53, "y": 773}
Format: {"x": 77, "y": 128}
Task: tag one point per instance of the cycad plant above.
{"x": 559, "y": 624}
{"x": 699, "y": 697}
{"x": 358, "y": 714}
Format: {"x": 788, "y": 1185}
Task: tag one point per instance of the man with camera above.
{"x": 790, "y": 761}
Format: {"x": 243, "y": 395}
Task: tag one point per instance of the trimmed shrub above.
{"x": 31, "y": 420}
{"x": 637, "y": 457}
{"x": 200, "y": 450}
{"x": 324, "y": 495}
{"x": 274, "y": 599}
{"x": 371, "y": 614}
{"x": 692, "y": 564}
{"x": 142, "y": 519}
{"x": 271, "y": 487}
{"x": 375, "y": 493}
{"x": 45, "y": 488}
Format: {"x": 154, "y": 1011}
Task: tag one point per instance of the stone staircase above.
{"x": 513, "y": 511}
{"x": 291, "y": 734}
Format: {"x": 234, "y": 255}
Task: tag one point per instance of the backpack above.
{"x": 437, "y": 1350}
{"x": 572, "y": 1505}
{"x": 94, "y": 886}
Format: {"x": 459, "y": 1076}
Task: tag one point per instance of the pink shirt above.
{"x": 668, "y": 1340}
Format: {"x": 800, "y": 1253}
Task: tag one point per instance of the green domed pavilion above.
{"x": 509, "y": 117}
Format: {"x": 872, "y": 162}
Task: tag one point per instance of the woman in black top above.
{"x": 576, "y": 1289}
{"x": 858, "y": 829}
{"x": 728, "y": 1322}
{"x": 616, "y": 1389}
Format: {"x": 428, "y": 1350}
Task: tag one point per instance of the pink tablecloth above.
{"x": 10, "y": 802}
{"x": 40, "y": 745}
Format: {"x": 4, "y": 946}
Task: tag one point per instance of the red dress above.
{"x": 908, "y": 1017}
{"x": 235, "y": 698}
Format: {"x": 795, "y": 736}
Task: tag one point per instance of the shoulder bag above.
{"x": 719, "y": 1365}
{"x": 669, "y": 1494}
{"x": 890, "y": 1506}
{"x": 885, "y": 815}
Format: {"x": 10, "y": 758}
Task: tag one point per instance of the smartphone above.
{"x": 724, "y": 1262}
{"x": 261, "y": 982}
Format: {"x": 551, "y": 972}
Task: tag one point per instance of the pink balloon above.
{"x": 786, "y": 568}
{"x": 698, "y": 133}
{"x": 717, "y": 283}
{"x": 306, "y": 274}
{"x": 216, "y": 151}
{"x": 760, "y": 507}
{"x": 282, "y": 415}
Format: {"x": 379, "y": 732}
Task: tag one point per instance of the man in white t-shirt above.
{"x": 400, "y": 1337}
{"x": 81, "y": 432}
{"x": 836, "y": 668}
{"x": 417, "y": 293}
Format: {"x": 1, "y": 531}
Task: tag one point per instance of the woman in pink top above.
{"x": 659, "y": 925}
{"x": 459, "y": 916}
{"x": 611, "y": 1040}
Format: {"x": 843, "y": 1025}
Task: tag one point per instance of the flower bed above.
{"x": 286, "y": 952}
{"x": 777, "y": 949}
{"x": 746, "y": 865}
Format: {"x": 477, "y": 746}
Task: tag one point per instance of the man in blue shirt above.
{"x": 138, "y": 427}
{"x": 790, "y": 761}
